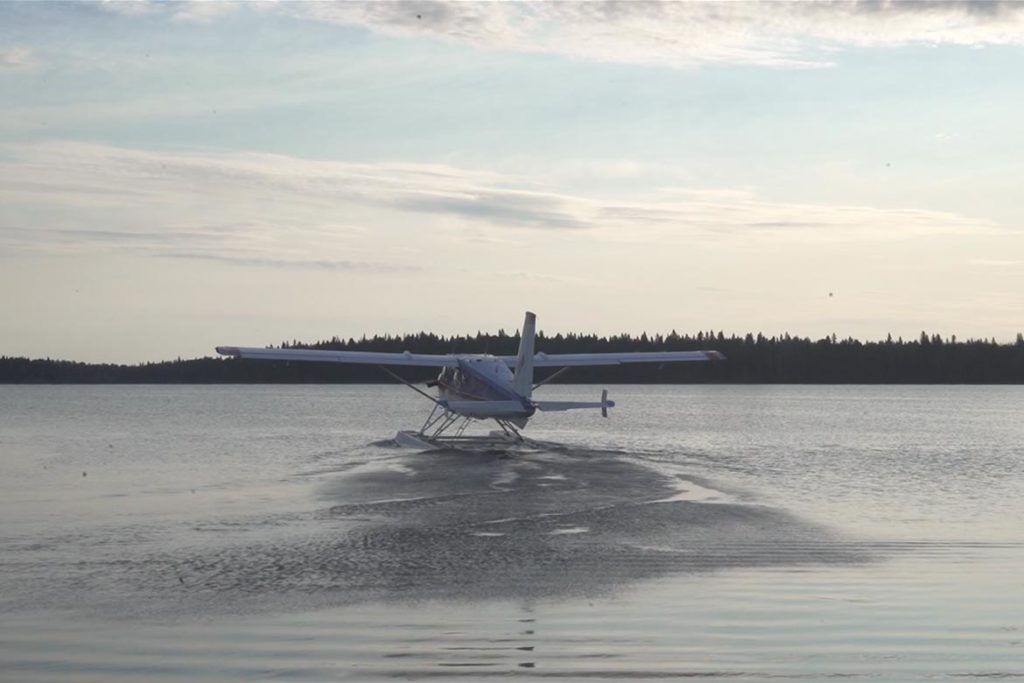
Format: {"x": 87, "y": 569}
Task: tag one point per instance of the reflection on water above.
{"x": 229, "y": 534}
{"x": 484, "y": 526}
{"x": 905, "y": 621}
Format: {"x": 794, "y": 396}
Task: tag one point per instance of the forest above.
{"x": 928, "y": 359}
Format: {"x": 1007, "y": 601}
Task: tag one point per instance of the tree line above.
{"x": 928, "y": 359}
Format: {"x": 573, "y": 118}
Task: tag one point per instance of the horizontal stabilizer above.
{"x": 551, "y": 406}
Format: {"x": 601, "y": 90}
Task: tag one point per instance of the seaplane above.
{"x": 479, "y": 387}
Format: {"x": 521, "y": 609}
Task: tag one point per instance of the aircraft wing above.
{"x": 564, "y": 360}
{"x": 323, "y": 356}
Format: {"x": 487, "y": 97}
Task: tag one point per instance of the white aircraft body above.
{"x": 480, "y": 386}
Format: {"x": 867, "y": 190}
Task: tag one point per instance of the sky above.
{"x": 176, "y": 176}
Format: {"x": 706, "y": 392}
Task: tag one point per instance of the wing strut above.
{"x": 551, "y": 377}
{"x": 411, "y": 386}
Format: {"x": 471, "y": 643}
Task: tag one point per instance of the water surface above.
{"x": 236, "y": 533}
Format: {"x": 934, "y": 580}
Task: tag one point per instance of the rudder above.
{"x": 522, "y": 380}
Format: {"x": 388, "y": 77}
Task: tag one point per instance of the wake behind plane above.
{"x": 474, "y": 387}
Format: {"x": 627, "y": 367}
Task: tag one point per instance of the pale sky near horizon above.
{"x": 174, "y": 176}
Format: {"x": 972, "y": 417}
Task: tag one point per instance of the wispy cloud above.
{"x": 255, "y": 207}
{"x": 682, "y": 34}
{"x": 785, "y": 34}
{"x": 205, "y": 11}
{"x": 996, "y": 263}
{"x": 317, "y": 264}
{"x": 16, "y": 58}
{"x": 179, "y": 10}
{"x": 500, "y": 206}
{"x": 190, "y": 244}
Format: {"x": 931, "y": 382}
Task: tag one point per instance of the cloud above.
{"x": 180, "y": 10}
{"x": 96, "y": 176}
{"x": 16, "y": 58}
{"x": 500, "y": 207}
{"x": 198, "y": 245}
{"x": 747, "y": 216}
{"x": 686, "y": 34}
{"x": 203, "y": 12}
{"x": 317, "y": 264}
{"x": 41, "y": 236}
{"x": 281, "y": 211}
{"x": 781, "y": 34}
{"x": 996, "y": 263}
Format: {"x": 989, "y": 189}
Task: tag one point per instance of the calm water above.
{"x": 241, "y": 533}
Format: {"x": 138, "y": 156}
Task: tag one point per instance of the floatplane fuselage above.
{"x": 480, "y": 386}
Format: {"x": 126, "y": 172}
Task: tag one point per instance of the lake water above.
{"x": 236, "y": 533}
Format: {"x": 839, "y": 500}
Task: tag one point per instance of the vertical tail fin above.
{"x": 522, "y": 381}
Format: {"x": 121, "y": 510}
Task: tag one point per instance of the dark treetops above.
{"x": 751, "y": 359}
